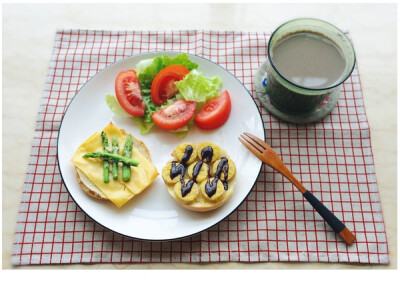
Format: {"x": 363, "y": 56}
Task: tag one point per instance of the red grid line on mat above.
{"x": 332, "y": 157}
{"x": 351, "y": 136}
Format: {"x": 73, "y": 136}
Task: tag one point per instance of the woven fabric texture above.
{"x": 332, "y": 157}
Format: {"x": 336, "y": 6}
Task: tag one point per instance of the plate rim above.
{"x": 124, "y": 59}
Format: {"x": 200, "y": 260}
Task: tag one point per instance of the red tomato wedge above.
{"x": 175, "y": 115}
{"x": 129, "y": 93}
{"x": 215, "y": 113}
{"x": 163, "y": 86}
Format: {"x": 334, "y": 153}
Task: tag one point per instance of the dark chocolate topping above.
{"x": 211, "y": 187}
{"x": 186, "y": 188}
{"x": 223, "y": 166}
{"x": 196, "y": 169}
{"x": 207, "y": 153}
{"x": 187, "y": 154}
{"x": 177, "y": 169}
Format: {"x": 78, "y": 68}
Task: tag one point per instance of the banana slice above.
{"x": 224, "y": 169}
{"x": 208, "y": 152}
{"x": 172, "y": 172}
{"x": 198, "y": 171}
{"x": 185, "y": 153}
{"x": 212, "y": 189}
{"x": 186, "y": 190}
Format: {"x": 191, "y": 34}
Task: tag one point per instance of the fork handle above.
{"x": 330, "y": 218}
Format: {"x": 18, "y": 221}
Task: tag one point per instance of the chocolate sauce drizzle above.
{"x": 211, "y": 187}
{"x": 222, "y": 167}
{"x": 207, "y": 154}
{"x": 186, "y": 188}
{"x": 186, "y": 156}
{"x": 197, "y": 168}
{"x": 177, "y": 169}
{"x": 180, "y": 169}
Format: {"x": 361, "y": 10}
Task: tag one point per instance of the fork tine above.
{"x": 257, "y": 140}
{"x": 254, "y": 150}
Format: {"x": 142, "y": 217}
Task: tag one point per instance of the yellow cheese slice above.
{"x": 118, "y": 191}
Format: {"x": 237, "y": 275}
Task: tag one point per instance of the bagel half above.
{"x": 200, "y": 203}
{"x": 145, "y": 173}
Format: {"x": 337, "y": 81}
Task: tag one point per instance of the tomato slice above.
{"x": 175, "y": 115}
{"x": 129, "y": 93}
{"x": 215, "y": 113}
{"x": 163, "y": 86}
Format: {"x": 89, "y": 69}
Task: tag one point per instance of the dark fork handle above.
{"x": 330, "y": 218}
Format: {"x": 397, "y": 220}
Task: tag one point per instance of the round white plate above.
{"x": 153, "y": 214}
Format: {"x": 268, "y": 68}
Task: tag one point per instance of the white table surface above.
{"x": 28, "y": 35}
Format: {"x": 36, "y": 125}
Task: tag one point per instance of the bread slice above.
{"x": 200, "y": 204}
{"x": 90, "y": 188}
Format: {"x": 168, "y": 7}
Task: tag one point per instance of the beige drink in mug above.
{"x": 307, "y": 60}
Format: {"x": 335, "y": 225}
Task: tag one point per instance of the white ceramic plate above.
{"x": 154, "y": 215}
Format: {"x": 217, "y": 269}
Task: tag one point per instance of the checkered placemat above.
{"x": 332, "y": 157}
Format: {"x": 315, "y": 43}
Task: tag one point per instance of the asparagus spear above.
{"x": 111, "y": 156}
{"x": 115, "y": 150}
{"x": 126, "y": 169}
{"x": 106, "y": 168}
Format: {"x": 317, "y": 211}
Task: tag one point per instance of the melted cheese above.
{"x": 117, "y": 191}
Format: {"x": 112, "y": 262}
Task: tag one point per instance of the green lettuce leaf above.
{"x": 199, "y": 88}
{"x": 150, "y": 106}
{"x": 181, "y": 59}
{"x": 115, "y": 107}
{"x": 142, "y": 65}
{"x": 183, "y": 131}
{"x": 144, "y": 126}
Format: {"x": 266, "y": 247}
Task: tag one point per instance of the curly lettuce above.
{"x": 199, "y": 88}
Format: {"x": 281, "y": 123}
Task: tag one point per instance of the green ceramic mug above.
{"x": 290, "y": 96}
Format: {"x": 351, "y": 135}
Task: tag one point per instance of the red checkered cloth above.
{"x": 332, "y": 157}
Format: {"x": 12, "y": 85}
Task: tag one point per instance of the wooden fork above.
{"x": 268, "y": 156}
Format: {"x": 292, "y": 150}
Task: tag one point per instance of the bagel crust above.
{"x": 201, "y": 203}
{"x": 91, "y": 191}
